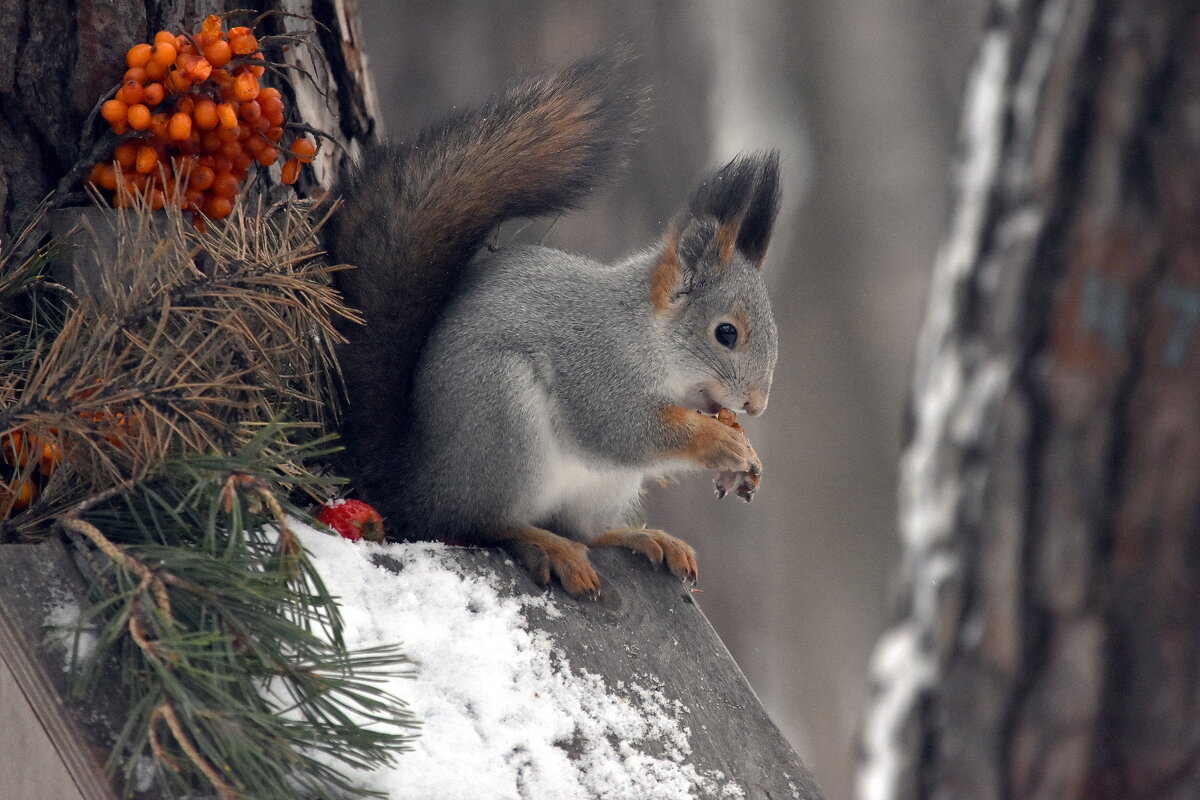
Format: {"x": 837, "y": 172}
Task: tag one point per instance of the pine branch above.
{"x": 242, "y": 663}
{"x": 195, "y": 338}
{"x": 123, "y": 406}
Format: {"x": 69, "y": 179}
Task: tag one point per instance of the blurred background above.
{"x": 862, "y": 99}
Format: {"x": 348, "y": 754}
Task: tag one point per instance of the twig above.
{"x": 289, "y": 545}
{"x": 121, "y": 557}
{"x": 166, "y": 711}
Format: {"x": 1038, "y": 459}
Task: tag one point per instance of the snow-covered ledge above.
{"x": 529, "y": 694}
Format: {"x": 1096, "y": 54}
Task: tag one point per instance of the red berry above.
{"x": 353, "y": 519}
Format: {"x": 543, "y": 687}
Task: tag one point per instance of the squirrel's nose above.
{"x": 756, "y": 402}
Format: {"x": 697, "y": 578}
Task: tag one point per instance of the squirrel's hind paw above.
{"x": 543, "y": 553}
{"x": 657, "y": 546}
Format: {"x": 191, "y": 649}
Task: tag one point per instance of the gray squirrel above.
{"x": 521, "y": 397}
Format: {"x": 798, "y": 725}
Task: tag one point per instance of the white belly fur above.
{"x": 582, "y": 498}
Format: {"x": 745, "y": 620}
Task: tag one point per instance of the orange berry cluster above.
{"x": 201, "y": 121}
{"x": 22, "y": 451}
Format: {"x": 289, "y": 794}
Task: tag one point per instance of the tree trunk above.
{"x": 68, "y": 55}
{"x": 1050, "y": 493}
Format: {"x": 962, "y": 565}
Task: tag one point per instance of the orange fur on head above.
{"x": 666, "y": 276}
{"x": 725, "y": 240}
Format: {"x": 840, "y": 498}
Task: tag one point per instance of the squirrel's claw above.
{"x": 744, "y": 484}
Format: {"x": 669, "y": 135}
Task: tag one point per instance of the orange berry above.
{"x": 130, "y": 92}
{"x": 222, "y": 164}
{"x": 210, "y": 141}
{"x": 147, "y": 159}
{"x": 156, "y": 71}
{"x": 180, "y": 126}
{"x": 274, "y": 133}
{"x": 290, "y": 172}
{"x": 241, "y": 165}
{"x": 225, "y": 185}
{"x": 218, "y": 52}
{"x": 17, "y": 447}
{"x": 270, "y": 93}
{"x": 17, "y": 496}
{"x": 119, "y": 128}
{"x": 126, "y": 154}
{"x": 250, "y": 110}
{"x": 304, "y": 150}
{"x": 193, "y": 198}
{"x": 106, "y": 176}
{"x": 114, "y": 111}
{"x": 96, "y": 174}
{"x": 191, "y": 145}
{"x": 254, "y": 144}
{"x": 205, "y": 114}
{"x": 267, "y": 156}
{"x": 273, "y": 110}
{"x": 242, "y": 44}
{"x": 165, "y": 53}
{"x": 210, "y": 30}
{"x": 138, "y": 55}
{"x": 227, "y": 115}
{"x": 219, "y": 207}
{"x": 240, "y": 30}
{"x": 199, "y": 69}
{"x": 257, "y": 70}
{"x": 186, "y": 104}
{"x": 135, "y": 74}
{"x": 245, "y": 87}
{"x": 138, "y": 117}
{"x": 166, "y": 37}
{"x": 50, "y": 458}
{"x": 231, "y": 150}
{"x": 178, "y": 81}
{"x": 158, "y": 125}
{"x": 157, "y": 199}
{"x": 153, "y": 94}
{"x": 201, "y": 178}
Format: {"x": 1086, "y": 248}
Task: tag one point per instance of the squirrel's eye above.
{"x": 726, "y": 334}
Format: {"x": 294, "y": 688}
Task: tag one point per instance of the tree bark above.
{"x": 1050, "y": 493}
{"x": 68, "y": 55}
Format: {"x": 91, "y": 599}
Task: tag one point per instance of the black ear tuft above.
{"x": 759, "y": 221}
{"x": 743, "y": 197}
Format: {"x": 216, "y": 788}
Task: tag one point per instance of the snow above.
{"x": 503, "y": 714}
{"x": 64, "y": 627}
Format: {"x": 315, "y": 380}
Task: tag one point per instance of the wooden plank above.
{"x": 646, "y": 627}
{"x": 30, "y": 577}
{"x": 30, "y": 767}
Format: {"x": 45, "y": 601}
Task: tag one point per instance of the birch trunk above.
{"x": 1044, "y": 644}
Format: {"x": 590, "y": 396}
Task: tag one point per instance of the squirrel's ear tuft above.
{"x": 743, "y": 199}
{"x": 755, "y": 233}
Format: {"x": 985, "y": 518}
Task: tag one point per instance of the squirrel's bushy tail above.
{"x": 414, "y": 213}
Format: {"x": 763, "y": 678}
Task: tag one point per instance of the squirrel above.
{"x": 520, "y": 397}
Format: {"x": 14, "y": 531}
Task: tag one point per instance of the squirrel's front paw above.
{"x": 743, "y": 479}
